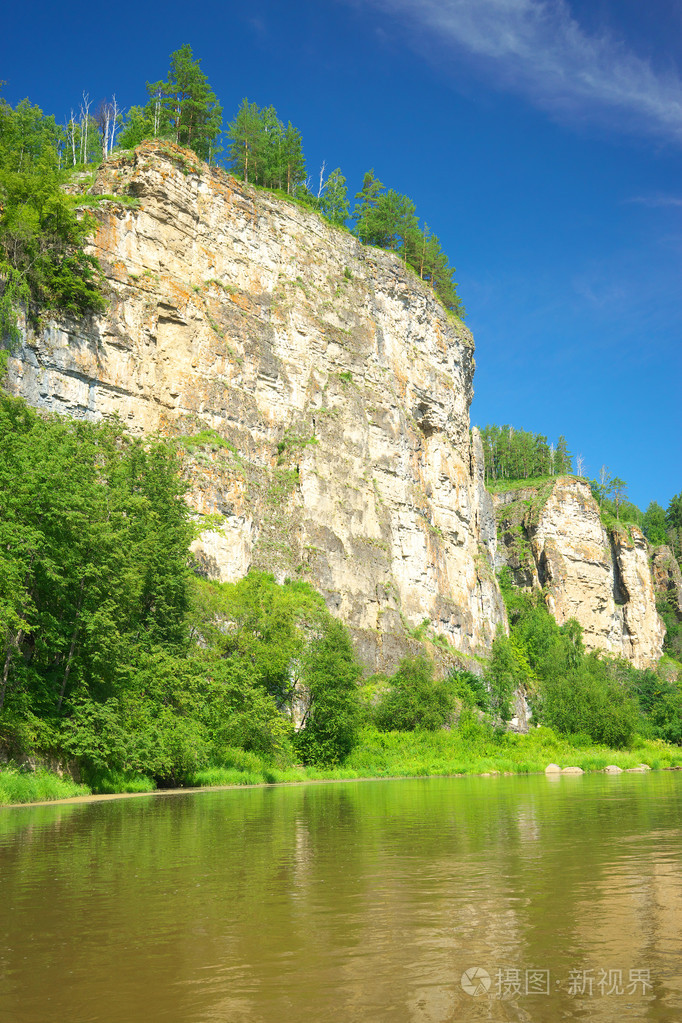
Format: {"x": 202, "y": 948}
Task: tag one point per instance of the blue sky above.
{"x": 540, "y": 139}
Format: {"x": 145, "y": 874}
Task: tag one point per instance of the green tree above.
{"x": 618, "y": 490}
{"x": 138, "y": 125}
{"x": 589, "y": 701}
{"x": 292, "y": 158}
{"x": 262, "y": 151}
{"x": 364, "y": 212}
{"x": 507, "y": 672}
{"x": 673, "y": 515}
{"x": 42, "y": 262}
{"x": 95, "y": 556}
{"x": 245, "y": 141}
{"x": 334, "y": 199}
{"x": 673, "y": 524}
{"x": 564, "y": 465}
{"x": 415, "y": 700}
{"x": 191, "y": 108}
{"x": 331, "y": 672}
{"x": 182, "y": 108}
{"x": 387, "y": 219}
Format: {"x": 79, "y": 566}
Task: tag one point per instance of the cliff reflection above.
{"x": 354, "y": 902}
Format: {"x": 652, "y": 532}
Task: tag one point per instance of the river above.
{"x": 418, "y": 901}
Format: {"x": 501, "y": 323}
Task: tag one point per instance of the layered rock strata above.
{"x": 552, "y": 537}
{"x": 667, "y": 579}
{"x": 321, "y": 390}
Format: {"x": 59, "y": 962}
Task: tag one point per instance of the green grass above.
{"x": 36, "y": 787}
{"x": 502, "y": 486}
{"x": 616, "y": 525}
{"x": 206, "y": 438}
{"x": 109, "y": 782}
{"x": 469, "y": 750}
{"x": 474, "y": 749}
{"x": 94, "y": 200}
{"x": 226, "y": 776}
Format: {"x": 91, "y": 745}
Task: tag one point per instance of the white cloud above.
{"x": 537, "y": 47}
{"x": 655, "y": 201}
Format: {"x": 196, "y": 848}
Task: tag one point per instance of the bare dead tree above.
{"x": 113, "y": 126}
{"x": 106, "y": 118}
{"x": 85, "y": 120}
{"x": 579, "y": 464}
{"x": 103, "y": 119}
{"x": 71, "y": 136}
{"x": 552, "y": 452}
{"x": 157, "y": 113}
{"x": 322, "y": 182}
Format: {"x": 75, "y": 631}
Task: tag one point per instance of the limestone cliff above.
{"x": 322, "y": 391}
{"x": 668, "y": 579}
{"x": 552, "y": 537}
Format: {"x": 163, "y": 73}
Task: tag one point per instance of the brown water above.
{"x": 350, "y": 902}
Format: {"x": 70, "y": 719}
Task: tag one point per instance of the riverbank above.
{"x": 473, "y": 751}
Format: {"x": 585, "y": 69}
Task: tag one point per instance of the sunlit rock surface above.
{"x": 553, "y": 537}
{"x": 336, "y": 388}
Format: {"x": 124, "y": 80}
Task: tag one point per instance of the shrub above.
{"x": 414, "y": 700}
{"x": 470, "y": 689}
{"x": 587, "y": 700}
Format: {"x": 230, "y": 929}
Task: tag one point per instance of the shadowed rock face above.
{"x": 337, "y": 388}
{"x": 668, "y": 579}
{"x": 555, "y": 539}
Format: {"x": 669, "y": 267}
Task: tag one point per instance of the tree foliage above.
{"x": 334, "y": 199}
{"x": 387, "y": 219}
{"x": 263, "y": 151}
{"x": 414, "y": 700}
{"x": 512, "y": 454}
{"x": 182, "y": 108}
{"x": 654, "y": 524}
{"x": 42, "y": 262}
{"x": 113, "y": 653}
{"x": 585, "y": 694}
{"x": 93, "y": 557}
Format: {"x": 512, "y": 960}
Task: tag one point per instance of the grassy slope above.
{"x": 381, "y": 755}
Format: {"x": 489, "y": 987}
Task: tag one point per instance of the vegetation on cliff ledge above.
{"x": 517, "y": 459}
{"x": 43, "y": 266}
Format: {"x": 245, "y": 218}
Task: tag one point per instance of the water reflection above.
{"x": 353, "y": 902}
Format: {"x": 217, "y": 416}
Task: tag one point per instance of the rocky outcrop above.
{"x": 552, "y": 537}
{"x": 667, "y": 579}
{"x": 321, "y": 390}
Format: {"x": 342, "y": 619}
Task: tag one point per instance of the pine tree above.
{"x": 563, "y": 457}
{"x": 245, "y": 137}
{"x": 194, "y": 114}
{"x": 293, "y": 159}
{"x": 365, "y": 204}
{"x": 183, "y": 109}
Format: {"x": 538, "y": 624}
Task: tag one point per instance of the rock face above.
{"x": 322, "y": 391}
{"x": 668, "y": 579}
{"x": 553, "y": 537}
